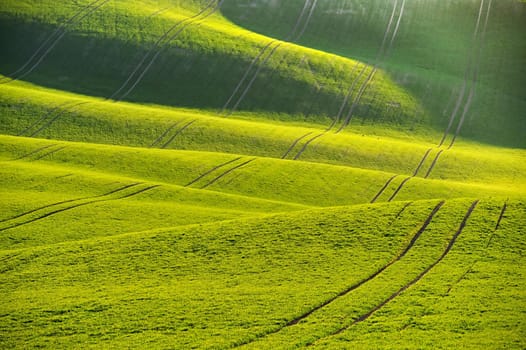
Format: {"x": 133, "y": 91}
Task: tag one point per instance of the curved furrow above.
{"x": 35, "y": 152}
{"x": 183, "y": 26}
{"x": 217, "y": 178}
{"x": 291, "y": 37}
{"x": 415, "y": 280}
{"x": 166, "y": 132}
{"x": 348, "y": 290}
{"x": 384, "y": 187}
{"x": 291, "y": 147}
{"x": 61, "y": 31}
{"x": 297, "y": 156}
{"x": 57, "y": 116}
{"x": 157, "y": 45}
{"x": 211, "y": 171}
{"x": 399, "y": 188}
{"x": 475, "y": 78}
{"x": 178, "y": 132}
{"x": 70, "y": 201}
{"x": 45, "y": 215}
{"x": 382, "y": 53}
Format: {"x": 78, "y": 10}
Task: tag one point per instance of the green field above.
{"x": 255, "y": 174}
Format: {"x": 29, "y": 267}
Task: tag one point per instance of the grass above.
{"x": 322, "y": 252}
{"x": 158, "y": 218}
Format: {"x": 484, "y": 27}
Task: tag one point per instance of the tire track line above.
{"x": 415, "y": 280}
{"x": 382, "y": 54}
{"x": 50, "y": 153}
{"x": 415, "y": 173}
{"x": 184, "y": 25}
{"x": 470, "y": 269}
{"x": 227, "y": 172}
{"x": 384, "y": 187}
{"x": 177, "y": 133}
{"x": 292, "y": 37}
{"x": 211, "y": 171}
{"x": 501, "y": 216}
{"x": 166, "y": 132}
{"x": 473, "y": 67}
{"x": 291, "y": 147}
{"x": 156, "y": 46}
{"x": 399, "y": 188}
{"x": 60, "y": 31}
{"x": 35, "y": 152}
{"x": 297, "y": 156}
{"x": 475, "y": 77}
{"x": 69, "y": 201}
{"x": 466, "y": 77}
{"x": 343, "y": 293}
{"x": 43, "y": 118}
{"x": 77, "y": 206}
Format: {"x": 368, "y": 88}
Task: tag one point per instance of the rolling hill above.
{"x": 262, "y": 174}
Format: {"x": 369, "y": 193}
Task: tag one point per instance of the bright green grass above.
{"x": 128, "y": 124}
{"x": 216, "y": 285}
{"x": 265, "y": 178}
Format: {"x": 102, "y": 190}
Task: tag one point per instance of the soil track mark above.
{"x": 358, "y": 284}
{"x": 170, "y": 140}
{"x": 166, "y": 132}
{"x": 262, "y": 60}
{"x": 211, "y": 171}
{"x": 501, "y": 216}
{"x": 294, "y": 144}
{"x": 399, "y": 188}
{"x": 217, "y": 178}
{"x": 433, "y": 164}
{"x": 70, "y": 201}
{"x": 59, "y": 33}
{"x": 156, "y": 49}
{"x": 416, "y": 279}
{"x": 384, "y": 187}
{"x": 57, "y": 211}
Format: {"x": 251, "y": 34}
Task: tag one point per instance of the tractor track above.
{"x": 166, "y": 132}
{"x": 291, "y": 147}
{"x": 415, "y": 280}
{"x": 80, "y": 205}
{"x": 384, "y": 187}
{"x": 157, "y": 48}
{"x": 415, "y": 173}
{"x": 50, "y": 153}
{"x": 292, "y": 37}
{"x": 171, "y": 139}
{"x": 70, "y": 201}
{"x": 184, "y": 24}
{"x": 501, "y": 216}
{"x": 312, "y": 139}
{"x": 433, "y": 164}
{"x": 217, "y": 178}
{"x": 466, "y": 77}
{"x": 48, "y": 119}
{"x": 60, "y": 31}
{"x": 358, "y": 284}
{"x": 34, "y": 152}
{"x": 43, "y": 118}
{"x": 211, "y": 171}
{"x": 382, "y": 54}
{"x": 399, "y": 188}
{"x": 490, "y": 239}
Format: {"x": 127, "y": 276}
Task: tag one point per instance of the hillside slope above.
{"x": 262, "y": 174}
